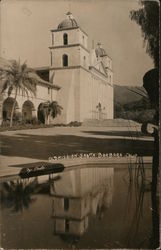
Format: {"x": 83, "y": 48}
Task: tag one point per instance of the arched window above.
{"x": 84, "y": 61}
{"x": 65, "y": 60}
{"x": 66, "y": 204}
{"x": 52, "y": 38}
{"x": 83, "y": 39}
{"x": 65, "y": 39}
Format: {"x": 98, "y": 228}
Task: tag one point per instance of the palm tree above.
{"x": 17, "y": 195}
{"x": 50, "y": 109}
{"x": 17, "y": 78}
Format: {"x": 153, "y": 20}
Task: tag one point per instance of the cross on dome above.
{"x": 99, "y": 44}
{"x": 69, "y": 22}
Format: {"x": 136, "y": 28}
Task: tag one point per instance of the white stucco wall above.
{"x": 68, "y": 96}
{"x": 94, "y": 90}
{"x": 73, "y": 54}
{"x": 86, "y": 93}
{"x": 82, "y": 88}
{"x": 76, "y": 56}
{"x": 83, "y": 39}
{"x": 80, "y": 93}
{"x": 75, "y": 36}
{"x": 84, "y": 58}
{"x": 42, "y": 95}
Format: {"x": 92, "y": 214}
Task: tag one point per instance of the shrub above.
{"x": 139, "y": 116}
{"x": 75, "y": 124}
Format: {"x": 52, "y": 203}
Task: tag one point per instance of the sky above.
{"x": 25, "y": 32}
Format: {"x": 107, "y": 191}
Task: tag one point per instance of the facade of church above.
{"x": 79, "y": 79}
{"x": 85, "y": 76}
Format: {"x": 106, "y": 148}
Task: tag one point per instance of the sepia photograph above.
{"x": 79, "y": 124}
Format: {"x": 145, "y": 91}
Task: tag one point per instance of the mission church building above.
{"x": 81, "y": 81}
{"x": 85, "y": 77}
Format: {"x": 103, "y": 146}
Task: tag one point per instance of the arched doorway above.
{"x": 27, "y": 110}
{"x": 7, "y": 108}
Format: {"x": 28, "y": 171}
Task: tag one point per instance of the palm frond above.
{"x": 18, "y": 77}
{"x": 24, "y": 67}
{"x": 13, "y": 67}
{"x": 6, "y": 71}
{"x": 55, "y": 109}
{"x": 23, "y": 91}
{"x": 29, "y": 85}
{"x": 10, "y": 90}
{"x": 5, "y": 86}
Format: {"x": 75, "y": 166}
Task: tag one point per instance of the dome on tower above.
{"x": 100, "y": 52}
{"x": 69, "y": 22}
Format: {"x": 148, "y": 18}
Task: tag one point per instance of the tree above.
{"x": 118, "y": 109}
{"x": 50, "y": 109}
{"x": 147, "y": 17}
{"x": 17, "y": 78}
{"x": 17, "y": 195}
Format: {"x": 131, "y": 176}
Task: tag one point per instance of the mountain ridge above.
{"x": 125, "y": 94}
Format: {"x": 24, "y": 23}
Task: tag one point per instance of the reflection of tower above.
{"x": 77, "y": 195}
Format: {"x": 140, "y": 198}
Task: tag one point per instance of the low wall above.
{"x": 111, "y": 123}
{"x": 115, "y": 162}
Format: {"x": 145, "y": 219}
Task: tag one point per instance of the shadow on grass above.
{"x": 42, "y": 147}
{"x": 118, "y": 133}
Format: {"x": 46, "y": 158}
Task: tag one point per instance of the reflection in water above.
{"x": 78, "y": 195}
{"x": 81, "y": 208}
{"x": 135, "y": 191}
{"x": 16, "y": 195}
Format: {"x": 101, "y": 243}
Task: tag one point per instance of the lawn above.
{"x": 48, "y": 142}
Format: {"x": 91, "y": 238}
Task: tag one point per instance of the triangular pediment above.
{"x": 100, "y": 67}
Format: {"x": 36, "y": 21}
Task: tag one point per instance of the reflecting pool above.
{"x": 84, "y": 207}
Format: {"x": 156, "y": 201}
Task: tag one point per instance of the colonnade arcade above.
{"x": 25, "y": 111}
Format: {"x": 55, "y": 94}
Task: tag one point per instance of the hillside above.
{"x": 122, "y": 94}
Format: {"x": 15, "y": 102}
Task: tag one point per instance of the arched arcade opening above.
{"x": 7, "y": 108}
{"x": 28, "y": 111}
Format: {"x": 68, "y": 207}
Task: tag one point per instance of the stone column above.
{"x": 34, "y": 113}
{"x": 18, "y": 114}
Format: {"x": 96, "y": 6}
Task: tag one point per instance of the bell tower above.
{"x": 69, "y": 55}
{"x": 82, "y": 85}
{"x": 69, "y": 45}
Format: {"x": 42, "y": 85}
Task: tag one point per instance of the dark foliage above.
{"x": 147, "y": 17}
{"x": 139, "y": 111}
{"x": 142, "y": 104}
{"x": 151, "y": 84}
